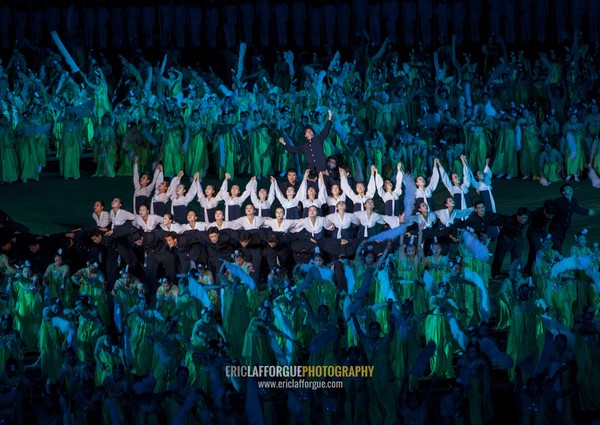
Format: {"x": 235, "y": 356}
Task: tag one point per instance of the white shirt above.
{"x": 151, "y": 223}
{"x": 368, "y": 222}
{"x": 258, "y": 204}
{"x": 238, "y": 200}
{"x": 120, "y": 217}
{"x": 157, "y": 179}
{"x": 316, "y": 227}
{"x": 164, "y": 197}
{"x": 211, "y": 203}
{"x": 285, "y": 226}
{"x": 353, "y": 196}
{"x": 182, "y": 200}
{"x": 201, "y": 226}
{"x": 244, "y": 222}
{"x": 447, "y": 218}
{"x": 342, "y": 223}
{"x": 103, "y": 220}
{"x": 174, "y": 227}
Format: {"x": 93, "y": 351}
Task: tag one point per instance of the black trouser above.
{"x": 535, "y": 244}
{"x": 504, "y": 245}
{"x": 153, "y": 260}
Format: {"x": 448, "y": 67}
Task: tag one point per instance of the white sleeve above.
{"x": 136, "y": 177}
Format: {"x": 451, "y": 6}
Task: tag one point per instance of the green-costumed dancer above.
{"x": 141, "y": 323}
{"x": 9, "y": 164}
{"x": 171, "y": 151}
{"x": 70, "y": 148}
{"x": 56, "y": 279}
{"x": 28, "y": 308}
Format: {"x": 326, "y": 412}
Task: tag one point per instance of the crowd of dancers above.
{"x": 347, "y": 261}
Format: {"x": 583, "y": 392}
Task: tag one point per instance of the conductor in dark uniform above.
{"x": 314, "y": 155}
{"x": 566, "y": 206}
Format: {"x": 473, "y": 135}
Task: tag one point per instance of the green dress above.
{"x": 70, "y": 149}
{"x": 530, "y": 148}
{"x": 171, "y": 154}
{"x": 235, "y": 315}
{"x": 59, "y": 284}
{"x": 506, "y": 151}
{"x": 437, "y": 330}
{"x": 477, "y": 144}
{"x": 88, "y": 332}
{"x": 28, "y": 314}
{"x": 196, "y": 156}
{"x": 261, "y": 150}
{"x": 575, "y": 161}
{"x": 141, "y": 325}
{"x": 9, "y": 164}
{"x": 257, "y": 344}
{"x": 105, "y": 151}
{"x": 28, "y": 159}
{"x": 50, "y": 345}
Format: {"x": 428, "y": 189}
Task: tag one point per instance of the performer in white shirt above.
{"x": 143, "y": 186}
{"x": 250, "y": 221}
{"x": 336, "y": 196}
{"x": 368, "y": 219}
{"x": 424, "y": 192}
{"x": 146, "y": 221}
{"x": 342, "y": 221}
{"x": 309, "y": 196}
{"x": 168, "y": 225}
{"x": 360, "y": 196}
{"x": 291, "y": 200}
{"x": 233, "y": 200}
{"x": 458, "y": 190}
{"x": 180, "y": 199}
{"x": 208, "y": 200}
{"x": 101, "y": 217}
{"x": 118, "y": 216}
{"x": 193, "y": 223}
{"x": 280, "y": 224}
{"x": 262, "y": 200}
{"x": 389, "y": 196}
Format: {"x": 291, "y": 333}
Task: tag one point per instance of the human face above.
{"x": 291, "y": 176}
{"x": 219, "y": 215}
{"x": 455, "y": 179}
{"x": 450, "y": 203}
{"x": 369, "y": 204}
{"x": 239, "y": 259}
{"x": 318, "y": 260}
{"x": 279, "y": 213}
{"x": 172, "y": 242}
{"x": 98, "y": 208}
{"x": 143, "y": 211}
{"x": 480, "y": 210}
{"x": 420, "y": 181}
{"x": 411, "y": 251}
{"x": 581, "y": 240}
{"x": 249, "y": 210}
{"x": 290, "y": 192}
{"x": 522, "y": 219}
{"x": 116, "y": 203}
{"x": 335, "y": 190}
{"x": 163, "y": 187}
{"x": 341, "y": 206}
{"x": 167, "y": 219}
{"x": 374, "y": 330}
{"x": 568, "y": 191}
{"x": 423, "y": 208}
{"x": 144, "y": 180}
{"x": 191, "y": 217}
{"x": 309, "y": 134}
{"x": 213, "y": 237}
{"x": 387, "y": 185}
{"x": 312, "y": 212}
{"x": 311, "y": 193}
{"x": 209, "y": 190}
{"x": 262, "y": 194}
{"x": 437, "y": 249}
{"x": 58, "y": 260}
{"x": 235, "y": 190}
{"x": 331, "y": 163}
{"x": 180, "y": 190}
{"x": 360, "y": 188}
